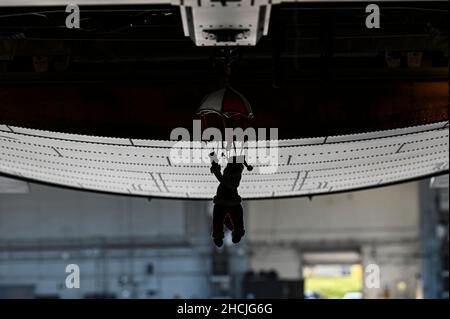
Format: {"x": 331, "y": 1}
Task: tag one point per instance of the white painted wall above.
{"x": 176, "y": 234}
{"x": 49, "y": 212}
{"x": 383, "y": 223}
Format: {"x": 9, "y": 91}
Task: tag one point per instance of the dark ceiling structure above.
{"x": 131, "y": 73}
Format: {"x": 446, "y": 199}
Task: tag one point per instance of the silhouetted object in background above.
{"x": 227, "y": 202}
{"x": 267, "y": 284}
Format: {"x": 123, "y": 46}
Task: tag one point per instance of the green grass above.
{"x": 335, "y": 287}
{"x": 330, "y": 287}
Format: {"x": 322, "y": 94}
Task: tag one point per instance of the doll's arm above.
{"x": 215, "y": 167}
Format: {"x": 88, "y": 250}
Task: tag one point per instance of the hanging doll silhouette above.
{"x": 227, "y": 202}
{"x": 221, "y": 109}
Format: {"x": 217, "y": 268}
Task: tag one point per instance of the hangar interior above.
{"x": 134, "y": 248}
{"x": 357, "y": 206}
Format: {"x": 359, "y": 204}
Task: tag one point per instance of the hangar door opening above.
{"x": 333, "y": 275}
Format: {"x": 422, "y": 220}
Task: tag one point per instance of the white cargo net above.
{"x": 305, "y": 166}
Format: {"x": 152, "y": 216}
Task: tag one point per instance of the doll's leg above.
{"x": 218, "y": 219}
{"x": 237, "y": 217}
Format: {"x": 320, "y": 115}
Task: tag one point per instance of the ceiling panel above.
{"x": 144, "y": 167}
